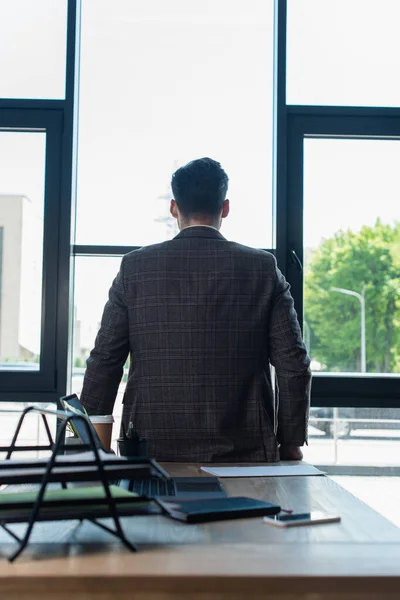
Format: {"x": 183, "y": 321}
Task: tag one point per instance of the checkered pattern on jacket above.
{"x": 202, "y": 319}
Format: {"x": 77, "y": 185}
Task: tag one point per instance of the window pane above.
{"x": 343, "y": 52}
{"x": 346, "y": 440}
{"x": 163, "y": 83}
{"x": 32, "y": 432}
{"x": 354, "y": 436}
{"x": 93, "y": 279}
{"x": 33, "y": 48}
{"x": 352, "y": 255}
{"x": 22, "y": 174}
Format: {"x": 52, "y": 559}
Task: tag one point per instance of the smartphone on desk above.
{"x": 309, "y": 518}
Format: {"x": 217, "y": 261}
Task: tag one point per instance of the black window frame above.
{"x": 50, "y": 123}
{"x": 330, "y": 123}
{"x": 56, "y": 117}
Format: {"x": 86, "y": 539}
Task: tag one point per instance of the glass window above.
{"x": 350, "y": 440}
{"x": 163, "y": 83}
{"x": 33, "y": 48}
{"x": 352, "y": 256}
{"x": 32, "y": 433}
{"x": 93, "y": 279}
{"x": 343, "y": 52}
{"x": 22, "y": 176}
{"x": 354, "y": 436}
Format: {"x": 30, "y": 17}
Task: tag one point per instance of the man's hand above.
{"x": 290, "y": 453}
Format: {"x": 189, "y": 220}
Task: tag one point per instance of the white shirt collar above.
{"x": 191, "y": 226}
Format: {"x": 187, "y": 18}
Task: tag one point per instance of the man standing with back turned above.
{"x": 203, "y": 319}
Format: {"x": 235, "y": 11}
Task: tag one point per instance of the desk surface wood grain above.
{"x": 356, "y": 558}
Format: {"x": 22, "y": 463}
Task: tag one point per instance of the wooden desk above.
{"x": 357, "y": 559}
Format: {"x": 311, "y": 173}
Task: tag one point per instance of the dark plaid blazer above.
{"x": 202, "y": 319}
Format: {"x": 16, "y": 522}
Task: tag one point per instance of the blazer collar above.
{"x": 199, "y": 231}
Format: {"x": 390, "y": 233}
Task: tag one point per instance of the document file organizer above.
{"x": 68, "y": 470}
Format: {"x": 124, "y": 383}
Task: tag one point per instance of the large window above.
{"x": 30, "y": 153}
{"x": 35, "y": 198}
{"x": 170, "y": 82}
{"x": 343, "y": 52}
{"x": 22, "y": 177}
{"x": 33, "y": 48}
{"x": 161, "y": 83}
{"x": 88, "y": 145}
{"x": 345, "y": 231}
{"x": 351, "y": 255}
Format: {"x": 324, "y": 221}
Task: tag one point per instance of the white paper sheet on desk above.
{"x": 264, "y": 471}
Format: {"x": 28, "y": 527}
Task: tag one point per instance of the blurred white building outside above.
{"x": 21, "y": 249}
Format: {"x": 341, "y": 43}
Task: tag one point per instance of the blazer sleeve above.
{"x": 106, "y": 361}
{"x": 288, "y": 354}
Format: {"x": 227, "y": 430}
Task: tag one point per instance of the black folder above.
{"x": 216, "y": 509}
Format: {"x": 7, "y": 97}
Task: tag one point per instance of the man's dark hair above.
{"x": 200, "y": 187}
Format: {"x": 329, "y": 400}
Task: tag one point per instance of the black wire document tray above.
{"x": 74, "y": 467}
{"x": 91, "y": 503}
{"x": 73, "y": 503}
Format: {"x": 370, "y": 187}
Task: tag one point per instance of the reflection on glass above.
{"x": 22, "y": 173}
{"x": 33, "y": 48}
{"x": 352, "y": 255}
{"x": 170, "y": 82}
{"x": 343, "y": 52}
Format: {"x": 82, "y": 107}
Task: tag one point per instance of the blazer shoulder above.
{"x": 263, "y": 255}
{"x": 144, "y": 252}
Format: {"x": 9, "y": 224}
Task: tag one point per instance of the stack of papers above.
{"x": 276, "y": 470}
{"x": 71, "y": 503}
{"x": 73, "y": 467}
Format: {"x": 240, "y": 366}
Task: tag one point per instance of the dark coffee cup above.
{"x": 136, "y": 446}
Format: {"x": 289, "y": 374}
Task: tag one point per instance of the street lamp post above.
{"x": 307, "y": 336}
{"x": 361, "y": 298}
